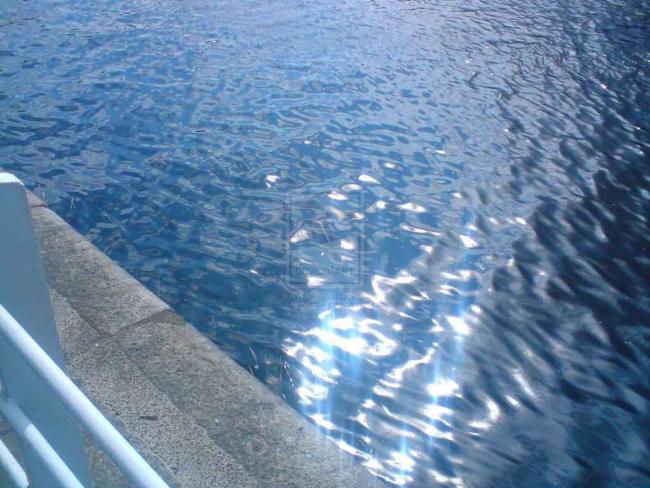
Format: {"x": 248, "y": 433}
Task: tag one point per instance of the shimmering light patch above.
{"x": 373, "y": 465}
{"x": 314, "y": 281}
{"x": 324, "y": 314}
{"x": 382, "y": 285}
{"x": 351, "y": 449}
{"x": 335, "y": 195}
{"x": 523, "y": 382}
{"x": 299, "y": 236}
{"x": 443, "y": 387}
{"x": 321, "y": 421}
{"x": 437, "y": 412}
{"x": 402, "y": 461}
{"x": 339, "y": 214}
{"x": 390, "y": 165}
{"x": 381, "y": 391}
{"x": 348, "y": 244}
{"x": 343, "y": 323}
{"x": 447, "y": 480}
{"x": 352, "y": 345}
{"x": 270, "y": 179}
{"x": 383, "y": 347}
{"x": 492, "y": 416}
{"x": 458, "y": 324}
{"x": 378, "y": 205}
{"x": 368, "y": 403}
{"x": 404, "y": 277}
{"x": 413, "y": 207}
{"x": 468, "y": 241}
{"x": 368, "y": 179}
{"x": 418, "y": 230}
{"x": 292, "y": 350}
{"x": 359, "y": 307}
{"x": 404, "y": 464}
{"x": 351, "y": 187}
{"x": 479, "y": 424}
{"x": 430, "y": 430}
{"x": 389, "y": 384}
{"x": 448, "y": 290}
{"x": 512, "y": 401}
{"x": 493, "y": 411}
{"x": 362, "y": 418}
{"x": 311, "y": 392}
{"x": 318, "y": 371}
{"x": 437, "y": 328}
{"x": 317, "y": 353}
{"x": 398, "y": 478}
{"x": 397, "y": 374}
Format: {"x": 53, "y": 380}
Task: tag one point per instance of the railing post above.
{"x": 24, "y": 293}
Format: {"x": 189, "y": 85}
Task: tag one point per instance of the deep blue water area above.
{"x": 425, "y": 224}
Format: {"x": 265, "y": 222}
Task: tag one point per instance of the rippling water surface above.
{"x": 424, "y": 224}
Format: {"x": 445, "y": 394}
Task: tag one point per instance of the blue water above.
{"x": 423, "y": 224}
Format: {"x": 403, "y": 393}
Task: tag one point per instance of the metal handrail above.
{"x": 12, "y": 468}
{"x": 127, "y": 459}
{"x": 33, "y": 438}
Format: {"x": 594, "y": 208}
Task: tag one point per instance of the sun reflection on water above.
{"x": 370, "y": 343}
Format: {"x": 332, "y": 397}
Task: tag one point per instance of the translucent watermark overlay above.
{"x": 325, "y": 240}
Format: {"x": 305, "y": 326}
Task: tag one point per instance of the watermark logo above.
{"x": 325, "y": 239}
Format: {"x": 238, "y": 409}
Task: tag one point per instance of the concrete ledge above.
{"x": 197, "y": 416}
{"x": 34, "y": 201}
{"x": 102, "y": 292}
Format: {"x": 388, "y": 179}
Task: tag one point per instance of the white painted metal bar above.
{"x": 127, "y": 459}
{"x": 12, "y": 468}
{"x": 24, "y": 293}
{"x": 34, "y": 440}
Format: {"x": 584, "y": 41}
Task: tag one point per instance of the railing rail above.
{"x": 37, "y": 398}
{"x": 12, "y": 468}
{"x": 134, "y": 467}
{"x": 38, "y": 444}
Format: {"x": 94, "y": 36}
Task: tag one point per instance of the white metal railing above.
{"x": 41, "y": 403}
{"x": 12, "y": 468}
{"x": 100, "y": 429}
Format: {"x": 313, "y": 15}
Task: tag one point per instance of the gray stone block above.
{"x": 34, "y": 201}
{"x": 105, "y": 295}
{"x": 267, "y": 437}
{"x": 171, "y": 441}
{"x": 4, "y": 426}
{"x": 76, "y": 336}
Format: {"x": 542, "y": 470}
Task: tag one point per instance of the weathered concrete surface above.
{"x": 196, "y": 415}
